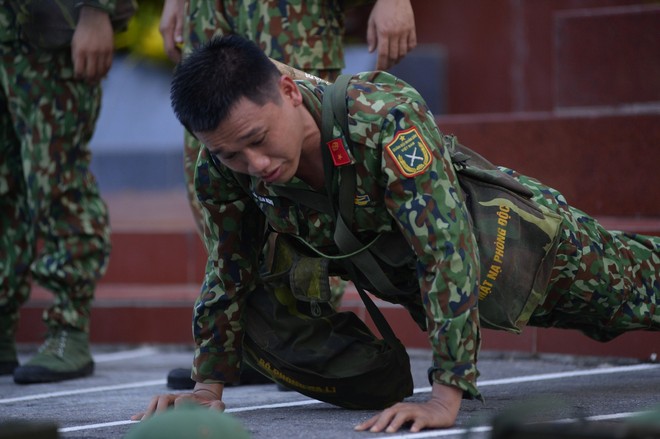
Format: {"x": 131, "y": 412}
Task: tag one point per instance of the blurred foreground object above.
{"x": 17, "y": 429}
{"x": 190, "y": 422}
{"x": 513, "y": 424}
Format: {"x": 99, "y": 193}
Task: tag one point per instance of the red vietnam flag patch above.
{"x": 338, "y": 152}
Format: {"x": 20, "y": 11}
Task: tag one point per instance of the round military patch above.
{"x": 409, "y": 151}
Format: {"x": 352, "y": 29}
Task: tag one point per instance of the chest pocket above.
{"x": 283, "y": 216}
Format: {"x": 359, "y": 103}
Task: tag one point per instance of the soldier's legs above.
{"x": 54, "y": 119}
{"x": 17, "y": 242}
{"x": 604, "y": 282}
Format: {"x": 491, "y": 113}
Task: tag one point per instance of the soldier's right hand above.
{"x": 171, "y": 28}
{"x": 208, "y": 395}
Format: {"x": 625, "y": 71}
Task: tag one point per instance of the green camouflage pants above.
{"x": 603, "y": 282}
{"x": 53, "y": 223}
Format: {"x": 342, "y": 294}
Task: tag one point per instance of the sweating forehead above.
{"x": 245, "y": 120}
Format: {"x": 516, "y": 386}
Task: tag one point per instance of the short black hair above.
{"x": 216, "y": 75}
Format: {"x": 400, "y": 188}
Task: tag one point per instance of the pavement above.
{"x": 605, "y": 392}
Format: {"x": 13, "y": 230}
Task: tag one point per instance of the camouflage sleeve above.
{"x": 423, "y": 196}
{"x": 232, "y": 244}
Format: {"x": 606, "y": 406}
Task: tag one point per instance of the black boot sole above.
{"x": 38, "y": 374}
{"x": 179, "y": 379}
{"x": 8, "y": 367}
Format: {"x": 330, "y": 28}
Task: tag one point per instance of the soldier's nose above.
{"x": 257, "y": 163}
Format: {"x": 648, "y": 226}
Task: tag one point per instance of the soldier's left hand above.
{"x": 92, "y": 46}
{"x": 391, "y": 30}
{"x": 438, "y": 412}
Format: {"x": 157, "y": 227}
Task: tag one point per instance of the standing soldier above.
{"x": 53, "y": 60}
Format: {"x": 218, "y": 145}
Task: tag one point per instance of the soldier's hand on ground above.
{"x": 207, "y": 395}
{"x": 171, "y": 28}
{"x": 391, "y": 30}
{"x": 92, "y": 46}
{"x": 438, "y": 412}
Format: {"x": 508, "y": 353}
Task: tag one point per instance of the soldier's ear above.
{"x": 290, "y": 90}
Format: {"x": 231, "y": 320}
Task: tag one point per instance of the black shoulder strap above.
{"x": 334, "y": 108}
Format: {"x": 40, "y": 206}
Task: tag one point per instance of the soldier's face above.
{"x": 264, "y": 141}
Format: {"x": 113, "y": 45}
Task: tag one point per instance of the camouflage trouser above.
{"x": 47, "y": 193}
{"x": 603, "y": 282}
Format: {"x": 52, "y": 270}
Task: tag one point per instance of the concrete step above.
{"x": 604, "y": 162}
{"x": 178, "y": 257}
{"x": 155, "y": 242}
{"x": 161, "y": 314}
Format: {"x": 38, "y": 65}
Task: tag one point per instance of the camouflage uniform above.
{"x": 47, "y": 191}
{"x": 303, "y": 34}
{"x": 603, "y": 282}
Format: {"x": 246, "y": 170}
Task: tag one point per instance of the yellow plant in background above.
{"x": 142, "y": 39}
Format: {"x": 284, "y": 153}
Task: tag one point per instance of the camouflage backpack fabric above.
{"x": 517, "y": 238}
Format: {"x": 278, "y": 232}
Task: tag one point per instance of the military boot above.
{"x": 8, "y": 358}
{"x": 63, "y": 356}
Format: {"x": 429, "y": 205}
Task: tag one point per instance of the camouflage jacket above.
{"x": 14, "y": 12}
{"x": 303, "y": 34}
{"x": 405, "y": 181}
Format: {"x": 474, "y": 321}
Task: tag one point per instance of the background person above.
{"x": 50, "y": 96}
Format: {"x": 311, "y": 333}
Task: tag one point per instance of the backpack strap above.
{"x": 334, "y": 108}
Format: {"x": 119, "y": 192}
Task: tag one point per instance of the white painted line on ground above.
{"x": 486, "y": 428}
{"x": 95, "y": 426}
{"x": 514, "y": 380}
{"x": 240, "y": 409}
{"x": 125, "y": 355}
{"x": 422, "y": 434}
{"x": 82, "y": 391}
{"x": 274, "y": 406}
{"x": 435, "y": 433}
{"x": 558, "y": 375}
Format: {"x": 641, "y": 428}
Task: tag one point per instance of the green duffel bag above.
{"x": 333, "y": 358}
{"x": 303, "y": 344}
{"x": 517, "y": 240}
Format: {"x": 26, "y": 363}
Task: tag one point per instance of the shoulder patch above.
{"x": 338, "y": 152}
{"x": 409, "y": 151}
